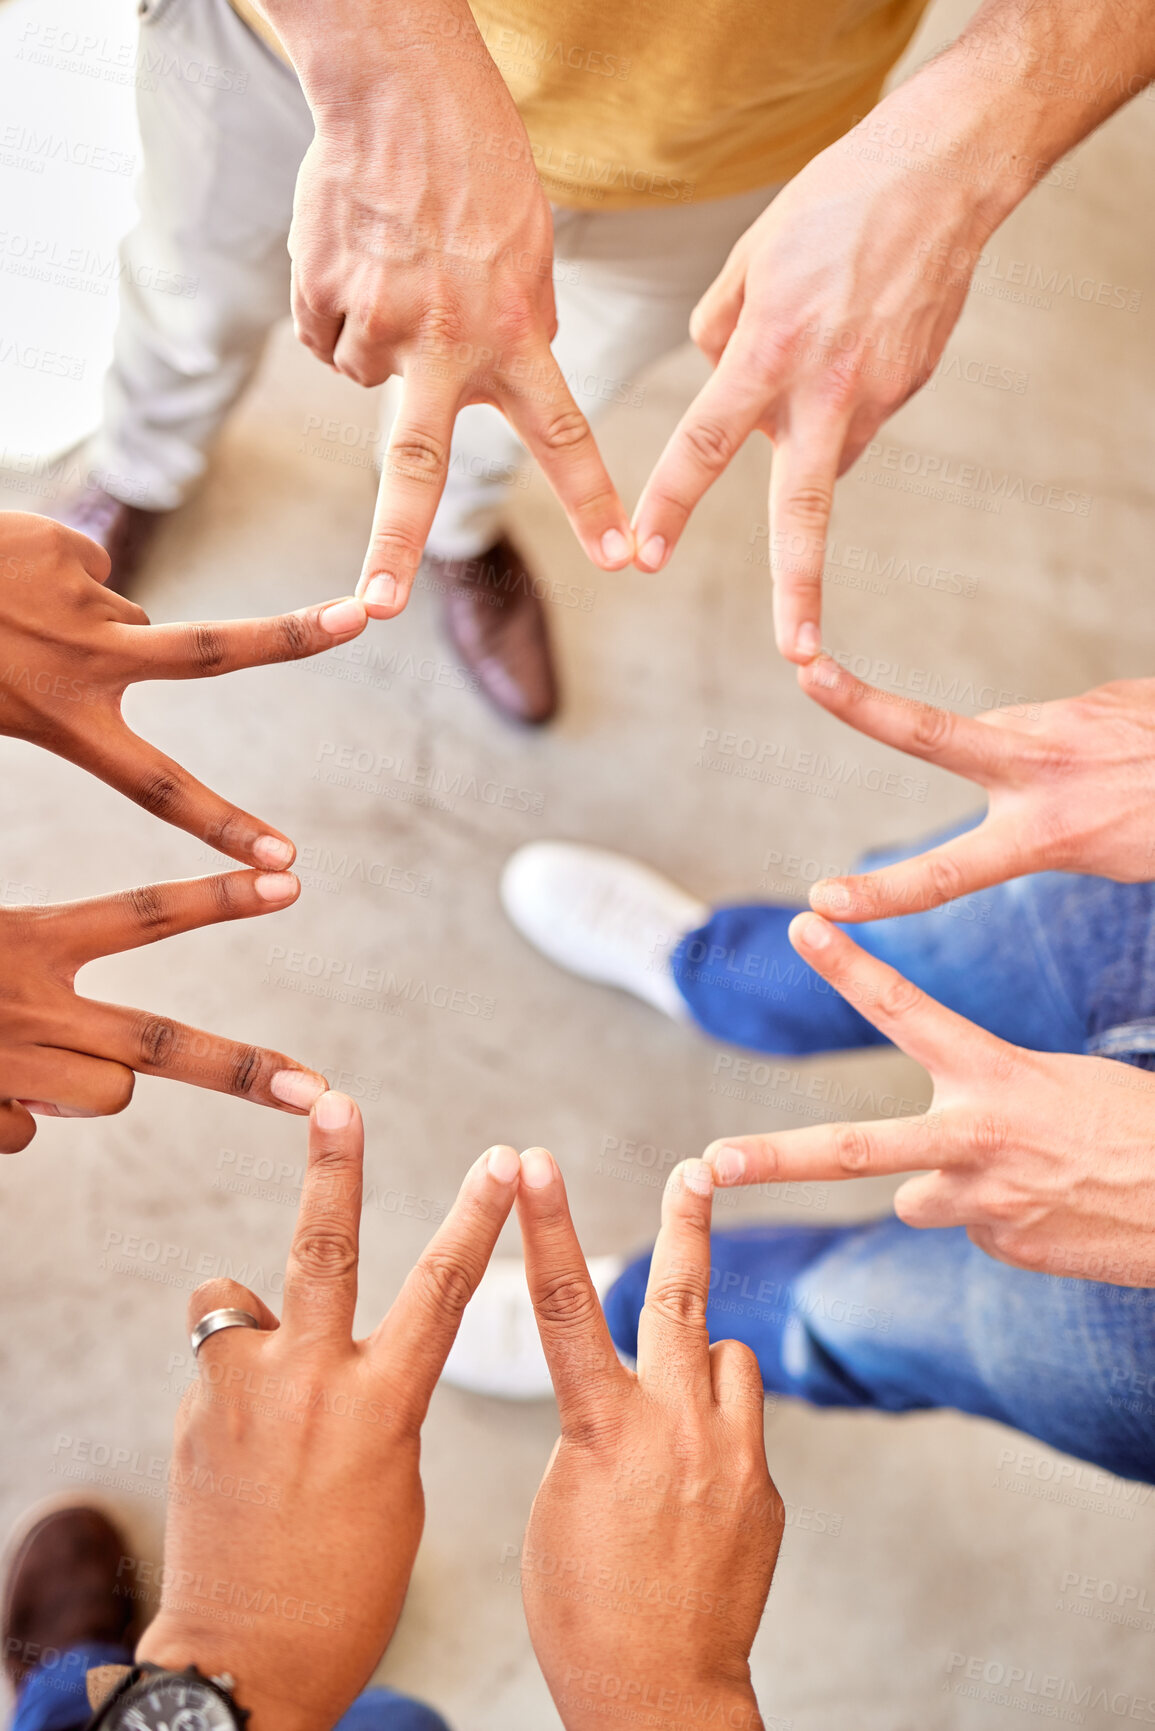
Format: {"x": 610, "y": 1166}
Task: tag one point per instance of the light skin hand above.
{"x": 835, "y": 306}
{"x": 70, "y": 648}
{"x": 1044, "y": 1158}
{"x": 65, "y": 1056}
{"x": 1070, "y": 785}
{"x": 658, "y": 1478}
{"x": 422, "y": 246}
{"x": 325, "y": 1433}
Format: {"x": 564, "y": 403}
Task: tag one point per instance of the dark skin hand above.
{"x": 65, "y": 1056}
{"x": 70, "y": 648}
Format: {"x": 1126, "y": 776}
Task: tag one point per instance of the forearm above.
{"x": 1024, "y": 83}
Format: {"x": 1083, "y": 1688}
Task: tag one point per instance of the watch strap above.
{"x": 129, "y": 1676}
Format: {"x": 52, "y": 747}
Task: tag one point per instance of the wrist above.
{"x": 347, "y": 52}
{"x": 166, "y": 1644}
{"x": 582, "y": 1697}
{"x": 978, "y": 149}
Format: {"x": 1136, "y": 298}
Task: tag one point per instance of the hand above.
{"x": 822, "y": 323}
{"x": 65, "y": 1056}
{"x": 653, "y": 1539}
{"x": 1044, "y": 1158}
{"x": 1071, "y": 787}
{"x": 295, "y": 1505}
{"x": 422, "y": 245}
{"x": 69, "y": 649}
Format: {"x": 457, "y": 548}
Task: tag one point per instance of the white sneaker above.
{"x": 498, "y": 1349}
{"x": 602, "y": 915}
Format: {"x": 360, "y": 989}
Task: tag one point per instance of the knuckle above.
{"x": 207, "y": 647}
{"x": 292, "y": 638}
{"x": 448, "y": 1285}
{"x": 417, "y": 457}
{"x": 160, "y": 793}
{"x": 245, "y": 1068}
{"x": 566, "y": 1301}
{"x": 324, "y": 1251}
{"x": 711, "y": 443}
{"x": 852, "y": 1148}
{"x": 679, "y": 1301}
{"x": 898, "y": 998}
{"x": 157, "y": 1040}
{"x": 987, "y": 1136}
{"x": 933, "y": 728}
{"x": 561, "y": 432}
{"x": 809, "y": 504}
{"x": 1017, "y": 1246}
{"x": 223, "y": 894}
{"x": 147, "y": 906}
{"x": 946, "y": 877}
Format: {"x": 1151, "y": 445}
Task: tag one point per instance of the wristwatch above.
{"x": 153, "y": 1699}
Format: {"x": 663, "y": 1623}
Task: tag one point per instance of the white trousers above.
{"x": 224, "y": 125}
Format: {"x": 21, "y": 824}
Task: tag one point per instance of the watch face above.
{"x": 174, "y": 1704}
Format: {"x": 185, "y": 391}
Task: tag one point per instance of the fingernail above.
{"x": 342, "y": 616}
{"x": 697, "y": 1176}
{"x": 332, "y": 1111}
{"x": 808, "y": 640}
{"x": 654, "y": 551}
{"x": 831, "y": 895}
{"x": 537, "y": 1168}
{"x": 824, "y": 671}
{"x": 728, "y": 1163}
{"x": 812, "y": 930}
{"x": 380, "y": 592}
{"x": 615, "y": 546}
{"x": 276, "y": 886}
{"x": 297, "y": 1088}
{"x": 503, "y": 1164}
{"x": 272, "y": 851}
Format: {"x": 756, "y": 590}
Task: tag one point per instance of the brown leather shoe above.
{"x": 497, "y": 624}
{"x": 61, "y": 1589}
{"x": 124, "y": 531}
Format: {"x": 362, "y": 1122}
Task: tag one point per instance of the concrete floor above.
{"x": 911, "y": 1541}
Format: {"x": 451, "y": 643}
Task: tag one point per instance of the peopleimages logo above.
{"x": 966, "y": 482}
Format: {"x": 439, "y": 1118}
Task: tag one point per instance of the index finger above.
{"x": 583, "y": 1365}
{"x": 935, "y": 1037}
{"x": 210, "y": 647}
{"x": 717, "y": 424}
{"x": 673, "y": 1341}
{"x": 955, "y": 742}
{"x": 413, "y": 473}
{"x": 412, "y": 1343}
{"x": 321, "y": 1272}
{"x": 108, "y": 925}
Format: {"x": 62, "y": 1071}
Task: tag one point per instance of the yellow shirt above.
{"x": 643, "y": 102}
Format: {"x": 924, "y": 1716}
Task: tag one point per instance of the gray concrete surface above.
{"x": 911, "y": 1541}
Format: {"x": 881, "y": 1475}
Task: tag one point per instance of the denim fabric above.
{"x": 1054, "y": 962}
{"x": 887, "y": 1317}
{"x": 54, "y": 1698}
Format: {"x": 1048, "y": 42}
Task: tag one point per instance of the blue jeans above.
{"x": 1054, "y": 962}
{"x": 53, "y": 1698}
{"x": 887, "y": 1317}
